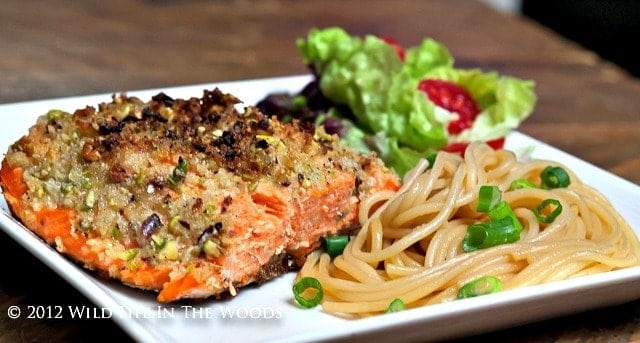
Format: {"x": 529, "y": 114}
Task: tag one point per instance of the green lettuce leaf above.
{"x": 401, "y": 159}
{"x": 392, "y": 116}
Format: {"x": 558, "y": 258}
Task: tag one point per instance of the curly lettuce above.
{"x": 391, "y": 115}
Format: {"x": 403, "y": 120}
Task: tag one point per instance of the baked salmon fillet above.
{"x": 191, "y": 198}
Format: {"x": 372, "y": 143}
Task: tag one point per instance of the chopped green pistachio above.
{"x": 195, "y": 251}
{"x": 179, "y": 172}
{"x": 132, "y": 265}
{"x": 113, "y": 202}
{"x": 124, "y": 110}
{"x": 130, "y": 254}
{"x": 167, "y": 113}
{"x": 53, "y": 114}
{"x": 158, "y": 241}
{"x": 75, "y": 176}
{"x": 321, "y": 136}
{"x": 269, "y": 139}
{"x": 212, "y": 249}
{"x": 115, "y": 233}
{"x": 169, "y": 252}
{"x": 139, "y": 179}
{"x": 210, "y": 209}
{"x": 173, "y": 224}
{"x": 85, "y": 224}
{"x": 90, "y": 199}
{"x": 86, "y": 184}
{"x": 247, "y": 177}
{"x": 252, "y": 186}
{"x": 66, "y": 188}
{"x": 44, "y": 172}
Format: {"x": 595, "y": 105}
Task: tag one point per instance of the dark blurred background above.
{"x": 610, "y": 28}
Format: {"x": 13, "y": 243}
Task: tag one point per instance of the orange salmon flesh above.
{"x": 186, "y": 197}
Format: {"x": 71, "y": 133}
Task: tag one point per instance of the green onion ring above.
{"x": 396, "y": 305}
{"x": 521, "y": 183}
{"x": 483, "y": 285}
{"x": 554, "y": 177}
{"x": 546, "y": 219}
{"x": 334, "y": 245}
{"x": 304, "y": 284}
{"x": 488, "y": 198}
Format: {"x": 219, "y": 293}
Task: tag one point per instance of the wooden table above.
{"x": 586, "y": 106}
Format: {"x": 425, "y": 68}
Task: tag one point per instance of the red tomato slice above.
{"x": 395, "y": 44}
{"x": 453, "y": 98}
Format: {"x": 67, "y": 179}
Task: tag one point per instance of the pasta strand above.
{"x": 410, "y": 243}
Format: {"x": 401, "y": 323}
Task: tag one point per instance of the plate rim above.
{"x": 99, "y": 293}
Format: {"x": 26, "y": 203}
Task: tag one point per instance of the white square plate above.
{"x": 267, "y": 312}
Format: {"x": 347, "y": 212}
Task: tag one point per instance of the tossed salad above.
{"x": 403, "y": 103}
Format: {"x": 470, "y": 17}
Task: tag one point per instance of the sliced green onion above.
{"x": 555, "y": 210}
{"x": 503, "y": 210}
{"x": 303, "y": 285}
{"x": 521, "y": 183}
{"x": 480, "y": 286}
{"x": 488, "y": 198}
{"x": 334, "y": 245}
{"x": 396, "y": 305}
{"x": 554, "y": 177}
{"x": 486, "y": 235}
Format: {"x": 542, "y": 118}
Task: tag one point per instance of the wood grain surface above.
{"x": 587, "y": 106}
